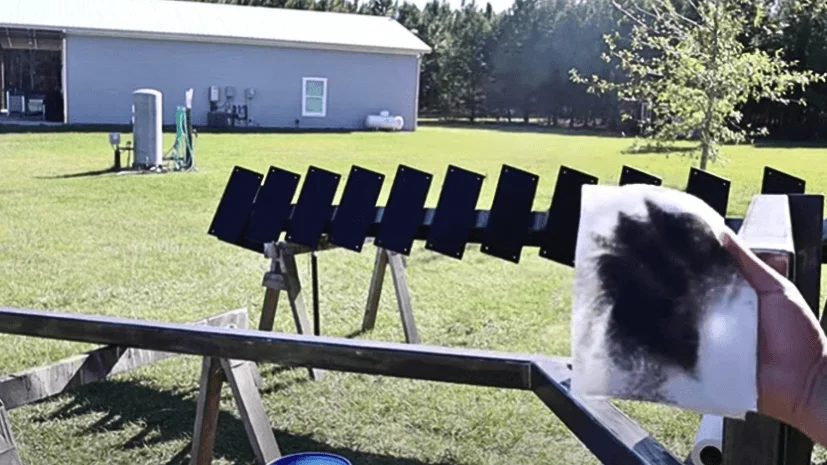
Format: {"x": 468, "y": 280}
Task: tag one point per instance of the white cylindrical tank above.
{"x": 384, "y": 120}
{"x": 147, "y": 119}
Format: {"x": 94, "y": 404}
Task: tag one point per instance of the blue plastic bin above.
{"x": 311, "y": 458}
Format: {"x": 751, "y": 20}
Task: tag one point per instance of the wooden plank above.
{"x": 414, "y": 361}
{"x": 43, "y": 382}
{"x": 609, "y": 434}
{"x": 240, "y": 376}
{"x": 8, "y": 448}
{"x": 767, "y": 230}
{"x": 403, "y": 297}
{"x": 294, "y": 295}
{"x": 206, "y": 413}
{"x": 375, "y": 289}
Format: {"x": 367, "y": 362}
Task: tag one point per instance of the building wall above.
{"x": 101, "y": 74}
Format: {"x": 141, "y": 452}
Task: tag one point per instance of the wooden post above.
{"x": 758, "y": 439}
{"x": 375, "y": 289}
{"x": 206, "y": 413}
{"x": 284, "y": 276}
{"x": 241, "y": 377}
{"x": 403, "y": 297}
{"x": 273, "y": 285}
{"x": 8, "y": 448}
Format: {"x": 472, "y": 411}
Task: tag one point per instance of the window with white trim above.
{"x": 314, "y": 96}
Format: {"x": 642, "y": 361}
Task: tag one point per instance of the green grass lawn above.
{"x": 136, "y": 246}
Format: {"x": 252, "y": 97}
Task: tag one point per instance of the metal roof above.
{"x": 211, "y": 22}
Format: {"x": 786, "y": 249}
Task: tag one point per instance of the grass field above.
{"x": 136, "y": 246}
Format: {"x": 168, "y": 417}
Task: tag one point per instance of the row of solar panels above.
{"x": 251, "y": 214}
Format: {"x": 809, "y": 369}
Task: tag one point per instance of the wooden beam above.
{"x": 475, "y": 367}
{"x": 430, "y": 363}
{"x": 43, "y": 382}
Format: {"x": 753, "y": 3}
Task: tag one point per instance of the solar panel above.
{"x": 357, "y": 209}
{"x": 235, "y": 206}
{"x": 510, "y": 215}
{"x": 560, "y": 233}
{"x": 405, "y": 210}
{"x": 272, "y": 206}
{"x": 313, "y": 210}
{"x": 455, "y": 212}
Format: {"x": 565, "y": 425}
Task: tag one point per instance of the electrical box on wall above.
{"x": 214, "y": 94}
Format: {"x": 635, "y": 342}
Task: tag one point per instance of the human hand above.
{"x": 791, "y": 343}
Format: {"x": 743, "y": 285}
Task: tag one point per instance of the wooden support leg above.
{"x": 273, "y": 284}
{"x": 206, "y": 413}
{"x": 268, "y": 310}
{"x": 403, "y": 297}
{"x": 375, "y": 291}
{"x": 240, "y": 375}
{"x": 397, "y": 265}
{"x": 8, "y": 448}
{"x": 294, "y": 294}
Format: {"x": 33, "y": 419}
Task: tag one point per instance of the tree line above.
{"x": 516, "y": 65}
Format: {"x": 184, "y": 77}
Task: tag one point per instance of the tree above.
{"x": 466, "y": 61}
{"x": 691, "y": 69}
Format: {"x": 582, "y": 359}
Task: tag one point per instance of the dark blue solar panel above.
{"x": 630, "y": 175}
{"x": 560, "y": 234}
{"x": 712, "y": 189}
{"x": 235, "y": 205}
{"x": 273, "y": 204}
{"x": 357, "y": 209}
{"x": 312, "y": 211}
{"x": 777, "y": 182}
{"x": 455, "y": 212}
{"x": 510, "y": 216}
{"x": 405, "y": 210}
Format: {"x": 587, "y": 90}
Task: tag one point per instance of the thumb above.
{"x": 760, "y": 275}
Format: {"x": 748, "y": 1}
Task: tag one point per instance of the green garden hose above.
{"x": 182, "y": 151}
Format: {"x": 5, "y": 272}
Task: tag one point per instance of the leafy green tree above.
{"x": 695, "y": 73}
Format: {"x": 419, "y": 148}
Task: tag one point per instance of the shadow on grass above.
{"x": 84, "y": 174}
{"x": 652, "y": 149}
{"x": 520, "y": 127}
{"x": 168, "y": 415}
